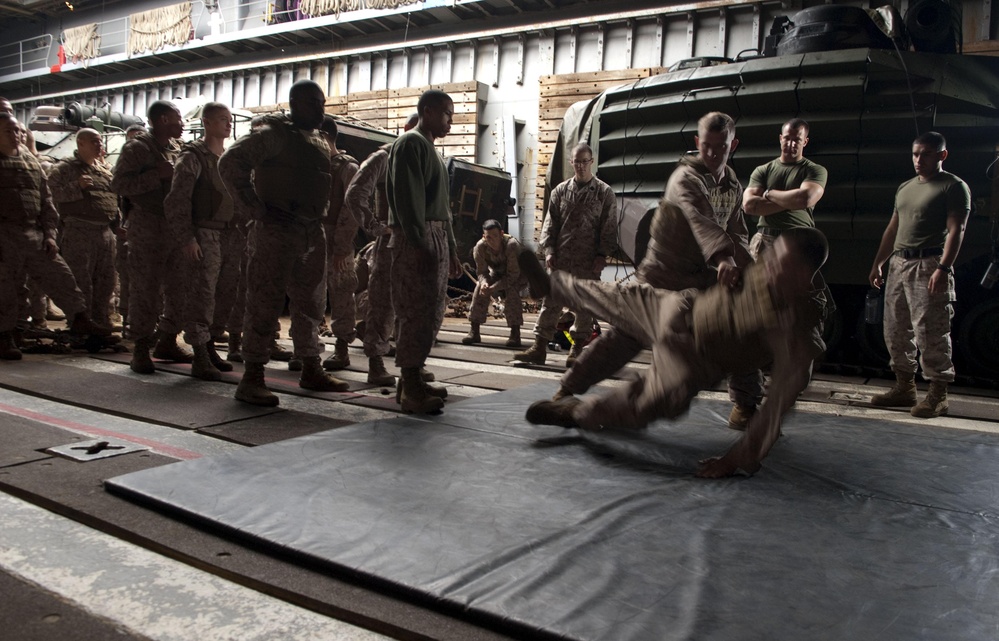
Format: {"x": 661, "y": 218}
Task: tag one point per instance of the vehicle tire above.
{"x": 978, "y": 338}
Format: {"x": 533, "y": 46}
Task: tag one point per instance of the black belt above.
{"x": 772, "y": 232}
{"x": 909, "y": 254}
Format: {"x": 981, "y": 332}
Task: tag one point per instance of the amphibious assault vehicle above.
{"x": 867, "y": 91}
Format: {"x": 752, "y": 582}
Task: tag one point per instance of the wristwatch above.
{"x": 947, "y": 269}
{"x": 766, "y": 195}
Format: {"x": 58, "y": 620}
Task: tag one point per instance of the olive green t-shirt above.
{"x": 783, "y": 177}
{"x": 923, "y": 207}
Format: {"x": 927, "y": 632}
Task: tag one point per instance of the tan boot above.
{"x": 167, "y": 349}
{"x": 216, "y": 360}
{"x": 902, "y": 394}
{"x": 377, "y": 374}
{"x": 738, "y": 418}
{"x": 235, "y": 353}
{"x": 252, "y": 389}
{"x": 535, "y": 354}
{"x": 8, "y": 348}
{"x": 438, "y": 391}
{"x": 340, "y": 358}
{"x": 574, "y": 353}
{"x": 553, "y": 412}
{"x": 202, "y": 367}
{"x": 935, "y": 404}
{"x": 514, "y": 340}
{"x": 141, "y": 363}
{"x": 413, "y": 395}
{"x": 314, "y": 378}
{"x": 427, "y": 375}
{"x": 472, "y": 336}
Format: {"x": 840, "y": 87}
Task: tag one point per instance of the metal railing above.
{"x": 25, "y": 55}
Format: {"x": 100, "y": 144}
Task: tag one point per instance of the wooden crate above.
{"x": 389, "y": 109}
{"x": 558, "y": 93}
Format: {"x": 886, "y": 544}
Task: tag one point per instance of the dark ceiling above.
{"x": 437, "y": 22}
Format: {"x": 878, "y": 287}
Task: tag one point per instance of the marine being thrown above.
{"x": 697, "y": 339}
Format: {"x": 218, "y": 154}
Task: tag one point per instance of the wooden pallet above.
{"x": 557, "y": 93}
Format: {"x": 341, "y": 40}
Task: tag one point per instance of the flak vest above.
{"x": 99, "y": 204}
{"x": 211, "y": 205}
{"x": 295, "y": 184}
{"x": 152, "y": 201}
{"x": 20, "y": 188}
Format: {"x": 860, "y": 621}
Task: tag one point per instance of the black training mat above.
{"x": 854, "y": 529}
{"x": 126, "y": 395}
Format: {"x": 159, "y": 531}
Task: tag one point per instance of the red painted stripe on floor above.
{"x": 162, "y": 448}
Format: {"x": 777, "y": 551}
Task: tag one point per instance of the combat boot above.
{"x": 52, "y": 312}
{"x": 377, "y": 374}
{"x": 141, "y": 363}
{"x": 340, "y": 358}
{"x": 235, "y": 353}
{"x": 472, "y": 336}
{"x": 202, "y": 367}
{"x": 251, "y": 387}
{"x": 8, "y": 348}
{"x": 314, "y": 378}
{"x": 81, "y": 324}
{"x": 738, "y": 418}
{"x": 167, "y": 349}
{"x": 216, "y": 360}
{"x": 574, "y": 353}
{"x": 553, "y": 412}
{"x": 935, "y": 404}
{"x": 279, "y": 353}
{"x": 438, "y": 391}
{"x": 536, "y": 353}
{"x": 902, "y": 394}
{"x": 427, "y": 375}
{"x": 514, "y": 340}
{"x": 413, "y": 394}
{"x": 295, "y": 364}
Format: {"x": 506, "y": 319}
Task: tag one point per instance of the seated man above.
{"x": 697, "y": 339}
{"x": 498, "y": 273}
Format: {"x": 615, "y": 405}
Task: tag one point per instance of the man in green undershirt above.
{"x": 784, "y": 191}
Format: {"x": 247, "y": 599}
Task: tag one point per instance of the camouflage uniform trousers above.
{"x": 614, "y": 349}
{"x": 159, "y": 278}
{"x": 341, "y": 284}
{"x": 21, "y": 254}
{"x": 651, "y": 316}
{"x": 513, "y": 307}
{"x": 201, "y": 296}
{"x": 121, "y": 266}
{"x": 380, "y": 317}
{"x": 419, "y": 293}
{"x": 232, "y": 243}
{"x": 918, "y": 321}
{"x": 548, "y": 317}
{"x": 89, "y": 251}
{"x": 284, "y": 259}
